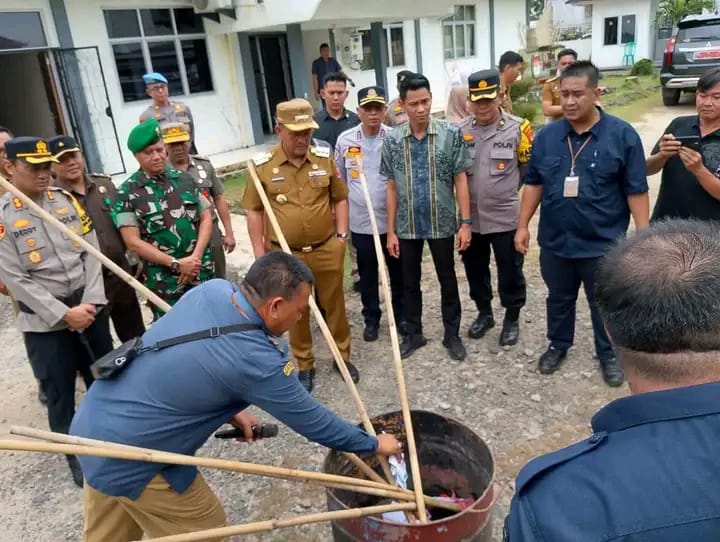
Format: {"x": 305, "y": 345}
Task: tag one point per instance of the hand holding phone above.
{"x": 691, "y": 142}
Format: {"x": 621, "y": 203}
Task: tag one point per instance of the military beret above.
{"x": 154, "y": 77}
{"x": 144, "y": 134}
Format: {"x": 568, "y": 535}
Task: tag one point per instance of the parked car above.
{"x": 693, "y": 48}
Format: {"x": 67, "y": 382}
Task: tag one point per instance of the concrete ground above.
{"x": 496, "y": 392}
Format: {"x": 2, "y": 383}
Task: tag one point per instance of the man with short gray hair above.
{"x": 174, "y": 398}
{"x": 651, "y": 469}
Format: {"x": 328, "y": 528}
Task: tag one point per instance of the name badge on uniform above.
{"x": 317, "y": 173}
{"x": 571, "y": 186}
{"x": 277, "y": 179}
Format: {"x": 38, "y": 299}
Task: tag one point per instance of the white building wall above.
{"x": 222, "y": 120}
{"x": 567, "y": 15}
{"x": 510, "y": 21}
{"x": 611, "y": 56}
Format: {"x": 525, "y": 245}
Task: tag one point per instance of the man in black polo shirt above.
{"x": 334, "y": 119}
{"x": 690, "y": 184}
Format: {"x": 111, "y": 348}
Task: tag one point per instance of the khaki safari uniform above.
{"x": 12, "y": 299}
{"x": 99, "y": 197}
{"x": 302, "y": 200}
{"x": 204, "y": 174}
{"x": 173, "y": 112}
{"x": 48, "y": 273}
{"x": 395, "y": 113}
{"x": 551, "y": 92}
{"x": 506, "y": 101}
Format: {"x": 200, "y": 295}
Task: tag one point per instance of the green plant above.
{"x": 674, "y": 10}
{"x": 520, "y": 88}
{"x": 529, "y": 111}
{"x": 643, "y": 66}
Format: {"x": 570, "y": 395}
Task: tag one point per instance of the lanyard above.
{"x": 574, "y": 155}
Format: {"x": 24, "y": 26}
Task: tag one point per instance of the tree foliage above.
{"x": 674, "y": 10}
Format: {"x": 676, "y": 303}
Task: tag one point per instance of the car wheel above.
{"x": 670, "y": 96}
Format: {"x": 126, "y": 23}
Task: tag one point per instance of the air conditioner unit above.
{"x": 211, "y": 6}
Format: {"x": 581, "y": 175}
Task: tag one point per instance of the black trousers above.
{"x": 124, "y": 308}
{"x": 369, "y": 278}
{"x": 511, "y": 281}
{"x": 563, "y": 277}
{"x": 443, "y": 255}
{"x": 57, "y": 356}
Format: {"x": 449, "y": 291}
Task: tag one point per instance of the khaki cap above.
{"x": 175, "y": 132}
{"x": 296, "y": 115}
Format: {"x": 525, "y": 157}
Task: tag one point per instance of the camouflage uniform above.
{"x": 167, "y": 211}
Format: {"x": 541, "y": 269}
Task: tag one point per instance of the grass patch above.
{"x": 234, "y": 189}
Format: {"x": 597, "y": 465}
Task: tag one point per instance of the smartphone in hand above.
{"x": 691, "y": 142}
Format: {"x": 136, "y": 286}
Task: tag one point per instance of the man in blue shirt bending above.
{"x": 173, "y": 399}
{"x": 588, "y": 171}
{"x": 650, "y": 471}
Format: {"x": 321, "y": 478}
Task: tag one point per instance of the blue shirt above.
{"x": 611, "y": 167}
{"x": 424, "y": 172}
{"x": 174, "y": 399}
{"x": 650, "y": 472}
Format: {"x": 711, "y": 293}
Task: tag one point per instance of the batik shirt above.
{"x": 424, "y": 171}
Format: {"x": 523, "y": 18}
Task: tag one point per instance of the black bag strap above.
{"x": 196, "y": 336}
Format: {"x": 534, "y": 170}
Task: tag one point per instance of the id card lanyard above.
{"x": 571, "y": 187}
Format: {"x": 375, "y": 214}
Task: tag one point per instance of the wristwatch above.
{"x": 342, "y": 236}
{"x": 467, "y": 221}
{"x": 175, "y": 265}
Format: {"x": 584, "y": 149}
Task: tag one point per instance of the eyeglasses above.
{"x": 156, "y": 88}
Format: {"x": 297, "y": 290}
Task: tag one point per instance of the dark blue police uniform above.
{"x": 649, "y": 472}
{"x": 574, "y": 232}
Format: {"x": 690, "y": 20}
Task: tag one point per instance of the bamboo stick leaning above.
{"x": 107, "y": 262}
{"x": 62, "y": 438}
{"x": 365, "y": 419}
{"x": 397, "y": 360}
{"x": 269, "y": 525}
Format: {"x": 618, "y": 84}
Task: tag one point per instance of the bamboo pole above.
{"x": 107, "y": 262}
{"x": 397, "y": 359}
{"x": 364, "y": 418}
{"x": 71, "y": 439}
{"x": 269, "y": 525}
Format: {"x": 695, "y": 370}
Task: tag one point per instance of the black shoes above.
{"x": 510, "y": 333}
{"x": 612, "y": 372}
{"x": 455, "y": 348}
{"x": 481, "y": 325}
{"x": 75, "y": 469}
{"x": 354, "y": 373}
{"x": 411, "y": 343}
{"x": 41, "y": 395}
{"x": 551, "y": 360}
{"x": 370, "y": 334}
{"x": 306, "y": 379}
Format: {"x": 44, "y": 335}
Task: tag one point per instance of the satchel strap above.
{"x": 197, "y": 335}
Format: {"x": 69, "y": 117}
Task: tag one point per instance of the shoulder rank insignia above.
{"x": 262, "y": 158}
{"x": 17, "y": 203}
{"x": 289, "y": 368}
{"x": 3, "y": 231}
{"x": 322, "y": 152}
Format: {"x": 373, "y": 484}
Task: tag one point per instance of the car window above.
{"x": 699, "y": 33}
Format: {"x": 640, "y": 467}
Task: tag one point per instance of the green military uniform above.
{"x": 302, "y": 199}
{"x": 166, "y": 209}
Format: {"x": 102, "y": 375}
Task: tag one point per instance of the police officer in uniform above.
{"x": 651, "y": 469}
{"x": 551, "y": 89}
{"x": 163, "y": 109}
{"x": 164, "y": 218}
{"x": 97, "y": 194}
{"x": 57, "y": 284}
{"x": 302, "y": 185}
{"x": 395, "y": 113}
{"x": 176, "y": 137}
{"x": 500, "y": 146}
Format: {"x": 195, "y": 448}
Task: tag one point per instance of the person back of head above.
{"x": 278, "y": 286}
{"x": 658, "y": 294}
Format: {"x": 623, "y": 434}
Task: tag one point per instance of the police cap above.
{"x": 175, "y": 132}
{"x": 33, "y": 150}
{"x": 62, "y": 144}
{"x": 369, "y": 95}
{"x": 484, "y": 85}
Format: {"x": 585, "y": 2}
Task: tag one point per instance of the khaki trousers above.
{"x": 159, "y": 511}
{"x": 326, "y": 263}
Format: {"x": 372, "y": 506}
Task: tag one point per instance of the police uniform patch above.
{"x": 501, "y": 166}
{"x": 17, "y": 203}
{"x": 354, "y": 174}
{"x": 3, "y": 231}
{"x": 30, "y": 243}
{"x": 21, "y": 223}
{"x": 62, "y": 211}
{"x": 289, "y": 368}
{"x": 35, "y": 257}
{"x": 85, "y": 220}
{"x": 50, "y": 195}
{"x": 322, "y": 152}
{"x": 468, "y": 137}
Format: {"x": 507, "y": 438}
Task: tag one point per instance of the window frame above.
{"x": 469, "y": 38}
{"x": 621, "y": 37}
{"x": 388, "y": 44}
{"x": 176, "y": 38}
{"x": 617, "y": 31}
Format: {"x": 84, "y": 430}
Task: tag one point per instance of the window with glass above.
{"x": 459, "y": 33}
{"x": 395, "y": 50}
{"x": 170, "y": 41}
{"x": 21, "y": 29}
{"x": 627, "y": 31}
{"x": 611, "y": 31}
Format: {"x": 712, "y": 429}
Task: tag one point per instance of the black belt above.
{"x": 308, "y": 248}
{"x": 72, "y": 300}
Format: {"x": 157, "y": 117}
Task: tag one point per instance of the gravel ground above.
{"x": 497, "y": 393}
